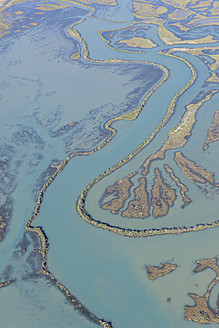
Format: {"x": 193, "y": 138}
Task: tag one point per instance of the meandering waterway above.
{"x": 106, "y": 272}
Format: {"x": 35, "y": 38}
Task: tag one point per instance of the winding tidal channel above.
{"x": 89, "y": 276}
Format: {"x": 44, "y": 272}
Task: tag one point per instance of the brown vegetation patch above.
{"x": 194, "y": 173}
{"x": 162, "y": 196}
{"x": 155, "y": 272}
{"x": 3, "y": 226}
{"x": 213, "y": 132}
{"x": 121, "y": 188}
{"x": 183, "y": 188}
{"x": 139, "y": 207}
{"x": 201, "y": 311}
{"x": 178, "y": 136}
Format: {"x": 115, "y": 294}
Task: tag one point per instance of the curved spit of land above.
{"x": 147, "y": 232}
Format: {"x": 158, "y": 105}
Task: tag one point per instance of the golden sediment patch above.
{"x": 198, "y": 16}
{"x": 213, "y": 78}
{"x": 215, "y": 9}
{"x": 76, "y": 55}
{"x": 51, "y": 6}
{"x": 168, "y": 194}
{"x": 204, "y": 10}
{"x": 139, "y": 27}
{"x": 182, "y": 27}
{"x": 202, "y": 4}
{"x": 213, "y": 132}
{"x": 194, "y": 173}
{"x": 34, "y": 24}
{"x": 162, "y": 196}
{"x": 45, "y": 8}
{"x": 169, "y": 38}
{"x": 155, "y": 272}
{"x": 149, "y": 13}
{"x": 139, "y": 207}
{"x": 200, "y": 53}
{"x": 183, "y": 188}
{"x": 11, "y": 3}
{"x": 201, "y": 20}
{"x": 4, "y": 284}
{"x": 100, "y": 2}
{"x": 190, "y": 51}
{"x": 2, "y": 227}
{"x": 133, "y": 42}
{"x": 180, "y": 14}
{"x": 5, "y": 25}
{"x": 178, "y": 136}
{"x": 215, "y": 65}
{"x": 2, "y": 2}
{"x": 146, "y": 9}
{"x": 179, "y": 3}
{"x": 207, "y": 263}
{"x": 121, "y": 188}
{"x": 201, "y": 311}
{"x": 138, "y": 42}
{"x": 75, "y": 34}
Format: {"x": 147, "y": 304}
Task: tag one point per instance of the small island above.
{"x": 213, "y": 78}
{"x": 155, "y": 272}
{"x": 138, "y": 42}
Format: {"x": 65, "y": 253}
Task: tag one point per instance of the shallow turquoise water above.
{"x": 106, "y": 272}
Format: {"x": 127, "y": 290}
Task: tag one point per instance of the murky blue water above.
{"x": 42, "y": 90}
